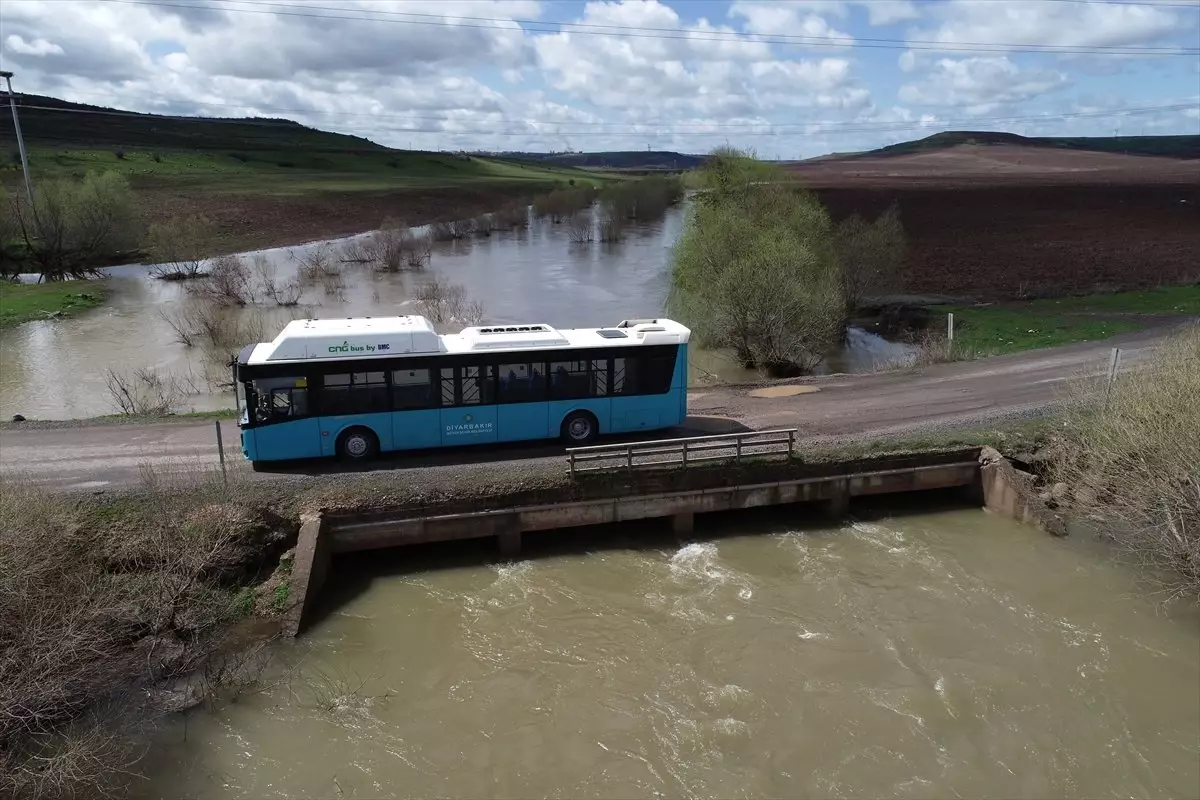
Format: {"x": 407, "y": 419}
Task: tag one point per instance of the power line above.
{"x": 838, "y": 40}
{"x": 836, "y": 126}
{"x": 634, "y": 126}
{"x": 729, "y": 37}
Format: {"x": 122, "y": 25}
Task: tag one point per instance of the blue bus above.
{"x": 356, "y": 387}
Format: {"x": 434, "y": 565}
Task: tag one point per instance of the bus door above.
{"x": 284, "y": 427}
{"x": 468, "y": 414}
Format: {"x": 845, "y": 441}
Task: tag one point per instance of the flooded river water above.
{"x": 56, "y": 369}
{"x": 944, "y": 654}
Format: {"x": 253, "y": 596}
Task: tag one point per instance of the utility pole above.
{"x": 12, "y": 101}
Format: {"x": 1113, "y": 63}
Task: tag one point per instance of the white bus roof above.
{"x": 372, "y": 337}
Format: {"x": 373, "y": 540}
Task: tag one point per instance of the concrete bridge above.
{"x": 981, "y": 475}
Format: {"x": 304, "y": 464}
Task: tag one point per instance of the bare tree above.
{"x": 228, "y": 283}
{"x": 147, "y": 392}
{"x": 446, "y": 303}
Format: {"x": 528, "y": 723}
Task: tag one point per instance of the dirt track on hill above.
{"x": 1010, "y": 222}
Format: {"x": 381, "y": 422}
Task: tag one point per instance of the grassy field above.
{"x": 1012, "y": 327}
{"x": 289, "y": 172}
{"x": 26, "y": 302}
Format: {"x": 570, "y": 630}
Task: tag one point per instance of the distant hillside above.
{"x": 1181, "y": 146}
{"x": 97, "y": 126}
{"x": 627, "y": 159}
{"x": 255, "y": 155}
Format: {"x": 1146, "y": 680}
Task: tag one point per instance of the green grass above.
{"x": 1013, "y": 327}
{"x": 25, "y": 302}
{"x": 290, "y": 172}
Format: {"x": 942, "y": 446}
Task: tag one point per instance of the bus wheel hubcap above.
{"x": 579, "y": 428}
{"x": 356, "y": 445}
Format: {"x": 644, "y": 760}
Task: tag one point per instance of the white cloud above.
{"x": 688, "y": 74}
{"x": 980, "y": 85}
{"x": 38, "y": 47}
{"x": 438, "y": 80}
{"x": 1060, "y": 24}
{"x": 790, "y": 19}
{"x": 889, "y": 12}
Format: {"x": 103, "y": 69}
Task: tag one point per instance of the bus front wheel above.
{"x": 579, "y": 428}
{"x": 357, "y": 444}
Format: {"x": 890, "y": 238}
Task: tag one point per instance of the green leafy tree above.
{"x": 756, "y": 269}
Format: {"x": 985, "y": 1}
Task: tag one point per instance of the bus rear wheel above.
{"x": 579, "y": 428}
{"x": 358, "y": 445}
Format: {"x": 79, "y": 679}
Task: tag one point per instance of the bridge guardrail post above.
{"x": 791, "y": 445}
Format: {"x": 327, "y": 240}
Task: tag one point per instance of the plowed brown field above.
{"x": 1000, "y": 222}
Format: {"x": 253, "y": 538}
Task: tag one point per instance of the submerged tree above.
{"x": 756, "y": 269}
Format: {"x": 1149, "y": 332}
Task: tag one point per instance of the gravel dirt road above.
{"x": 844, "y": 408}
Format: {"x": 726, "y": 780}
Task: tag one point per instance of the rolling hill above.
{"x": 244, "y": 154}
{"x": 1180, "y": 146}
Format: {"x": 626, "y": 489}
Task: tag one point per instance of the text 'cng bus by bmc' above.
{"x": 356, "y": 387}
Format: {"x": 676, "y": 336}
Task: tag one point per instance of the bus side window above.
{"x": 287, "y": 403}
{"x": 476, "y": 385}
{"x": 411, "y": 389}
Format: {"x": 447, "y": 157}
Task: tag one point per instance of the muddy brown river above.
{"x": 56, "y": 369}
{"x": 941, "y": 654}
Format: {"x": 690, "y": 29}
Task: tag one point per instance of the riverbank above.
{"x": 25, "y": 302}
{"x": 1002, "y": 328}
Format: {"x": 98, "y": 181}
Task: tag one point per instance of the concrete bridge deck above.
{"x": 979, "y": 473}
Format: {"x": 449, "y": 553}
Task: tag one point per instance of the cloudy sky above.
{"x": 790, "y": 78}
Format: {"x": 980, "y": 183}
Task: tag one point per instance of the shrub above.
{"x": 644, "y": 200}
{"x": 562, "y": 203}
{"x": 77, "y": 226}
{"x": 179, "y": 245}
{"x": 157, "y": 158}
{"x": 147, "y": 392}
{"x": 579, "y": 228}
{"x": 228, "y": 283}
{"x": 451, "y": 231}
{"x": 612, "y": 229}
{"x": 1132, "y": 458}
{"x": 756, "y": 271}
{"x": 483, "y": 225}
{"x": 101, "y": 600}
{"x": 872, "y": 256}
{"x": 514, "y": 215}
{"x": 395, "y": 246}
{"x": 445, "y": 303}
{"x": 120, "y": 154}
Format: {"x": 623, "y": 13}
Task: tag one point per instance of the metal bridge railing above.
{"x": 683, "y": 452}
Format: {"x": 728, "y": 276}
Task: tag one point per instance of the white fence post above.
{"x": 1114, "y": 361}
{"x": 950, "y": 327}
